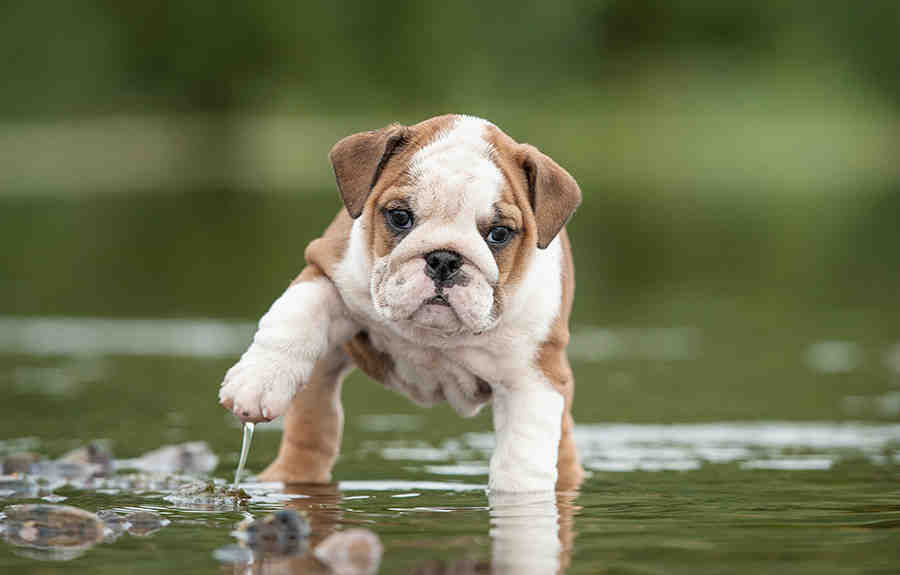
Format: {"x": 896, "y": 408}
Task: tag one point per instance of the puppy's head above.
{"x": 453, "y": 210}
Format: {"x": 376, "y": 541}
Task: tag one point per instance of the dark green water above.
{"x": 737, "y": 367}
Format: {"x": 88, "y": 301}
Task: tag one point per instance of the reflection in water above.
{"x": 524, "y": 533}
{"x": 320, "y": 505}
{"x": 51, "y": 532}
{"x": 531, "y": 533}
{"x": 355, "y": 551}
{"x": 682, "y": 447}
{"x": 349, "y": 551}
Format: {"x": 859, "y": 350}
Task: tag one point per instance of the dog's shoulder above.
{"x": 326, "y": 252}
{"x": 551, "y": 358}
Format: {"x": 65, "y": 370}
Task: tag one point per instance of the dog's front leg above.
{"x": 527, "y": 424}
{"x": 308, "y": 320}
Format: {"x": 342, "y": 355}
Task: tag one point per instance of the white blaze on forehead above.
{"x": 454, "y": 174}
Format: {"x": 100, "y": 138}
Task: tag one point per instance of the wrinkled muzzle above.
{"x": 449, "y": 297}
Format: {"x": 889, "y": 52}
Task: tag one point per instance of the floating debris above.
{"x": 19, "y": 462}
{"x": 59, "y": 473}
{"x": 355, "y": 551}
{"x": 115, "y": 524}
{"x": 12, "y": 486}
{"x": 96, "y": 454}
{"x": 194, "y": 457}
{"x": 58, "y": 532}
{"x": 76, "y": 467}
{"x": 143, "y": 523}
{"x": 141, "y": 482}
{"x": 207, "y": 495}
{"x": 281, "y": 533}
{"x": 53, "y": 498}
{"x": 277, "y": 535}
{"x": 93, "y": 467}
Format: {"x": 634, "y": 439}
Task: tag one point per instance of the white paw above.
{"x": 260, "y": 386}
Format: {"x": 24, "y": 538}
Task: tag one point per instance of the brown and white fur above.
{"x": 498, "y": 332}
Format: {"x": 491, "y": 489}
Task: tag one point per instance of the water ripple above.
{"x": 678, "y": 447}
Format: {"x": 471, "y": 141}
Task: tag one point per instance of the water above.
{"x": 737, "y": 496}
{"x": 737, "y": 406}
{"x": 246, "y": 438}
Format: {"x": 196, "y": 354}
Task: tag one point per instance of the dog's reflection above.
{"x": 530, "y": 533}
{"x": 321, "y": 506}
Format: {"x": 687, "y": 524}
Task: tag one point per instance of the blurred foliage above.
{"x": 100, "y": 56}
{"x": 739, "y": 147}
{"x": 227, "y": 253}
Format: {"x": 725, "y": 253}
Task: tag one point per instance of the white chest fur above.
{"x": 430, "y": 375}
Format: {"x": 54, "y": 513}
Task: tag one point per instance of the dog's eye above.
{"x": 499, "y": 235}
{"x": 400, "y": 219}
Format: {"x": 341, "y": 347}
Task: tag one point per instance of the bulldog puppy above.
{"x": 447, "y": 277}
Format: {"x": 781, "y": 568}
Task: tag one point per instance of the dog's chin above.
{"x": 436, "y": 314}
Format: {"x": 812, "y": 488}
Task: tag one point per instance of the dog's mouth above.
{"x": 436, "y": 314}
{"x": 402, "y": 293}
{"x": 439, "y": 299}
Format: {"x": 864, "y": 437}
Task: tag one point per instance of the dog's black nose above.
{"x": 442, "y": 265}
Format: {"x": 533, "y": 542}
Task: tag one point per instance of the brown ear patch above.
{"x": 359, "y": 160}
{"x": 553, "y": 193}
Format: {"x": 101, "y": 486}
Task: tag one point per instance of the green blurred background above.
{"x": 739, "y": 162}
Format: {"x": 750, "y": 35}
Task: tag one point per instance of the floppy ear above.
{"x": 553, "y": 193}
{"x": 358, "y": 161}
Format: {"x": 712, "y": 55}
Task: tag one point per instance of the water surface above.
{"x": 738, "y": 388}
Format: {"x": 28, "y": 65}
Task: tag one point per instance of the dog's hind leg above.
{"x": 313, "y": 425}
{"x": 570, "y": 474}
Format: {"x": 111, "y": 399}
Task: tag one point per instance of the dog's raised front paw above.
{"x": 260, "y": 387}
